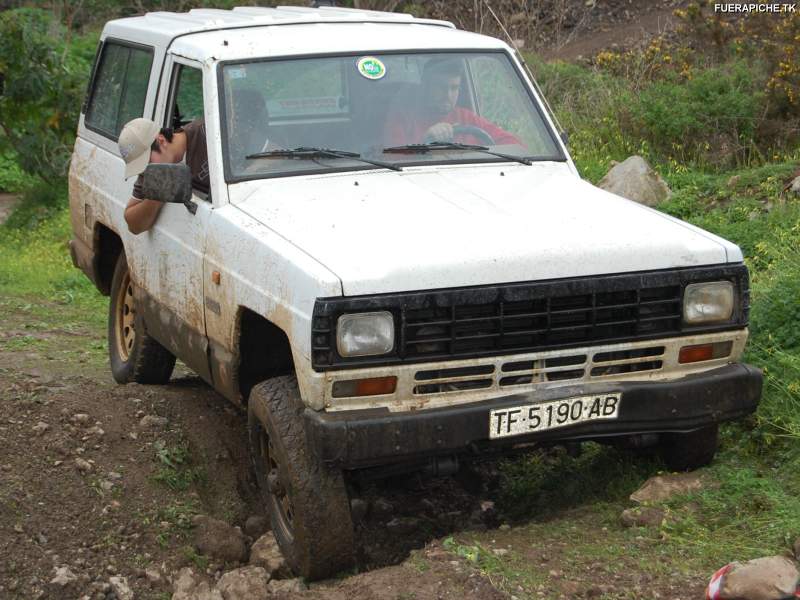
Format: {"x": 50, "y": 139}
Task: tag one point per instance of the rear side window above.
{"x": 120, "y": 88}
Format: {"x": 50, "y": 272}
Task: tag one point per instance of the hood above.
{"x": 468, "y": 225}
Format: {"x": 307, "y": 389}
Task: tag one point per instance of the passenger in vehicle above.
{"x": 250, "y": 131}
{"x": 434, "y": 114}
{"x": 141, "y": 142}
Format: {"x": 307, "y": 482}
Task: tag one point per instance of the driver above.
{"x": 432, "y": 117}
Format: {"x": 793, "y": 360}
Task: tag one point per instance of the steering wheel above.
{"x": 481, "y": 134}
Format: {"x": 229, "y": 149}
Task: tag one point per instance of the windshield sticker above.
{"x": 237, "y": 73}
{"x": 371, "y": 67}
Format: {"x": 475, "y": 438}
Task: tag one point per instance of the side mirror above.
{"x": 168, "y": 182}
{"x": 564, "y": 137}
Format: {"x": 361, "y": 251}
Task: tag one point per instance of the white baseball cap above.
{"x": 134, "y": 143}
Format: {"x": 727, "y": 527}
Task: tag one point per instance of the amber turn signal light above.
{"x": 701, "y": 352}
{"x": 375, "y": 386}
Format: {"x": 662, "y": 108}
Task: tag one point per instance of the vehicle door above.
{"x": 122, "y": 88}
{"x": 167, "y": 261}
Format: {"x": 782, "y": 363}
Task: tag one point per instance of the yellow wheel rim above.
{"x": 126, "y": 311}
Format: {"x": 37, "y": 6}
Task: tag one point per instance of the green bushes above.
{"x": 710, "y": 121}
{"x": 12, "y": 178}
{"x": 44, "y": 79}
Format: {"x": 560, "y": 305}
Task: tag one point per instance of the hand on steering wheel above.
{"x": 447, "y": 132}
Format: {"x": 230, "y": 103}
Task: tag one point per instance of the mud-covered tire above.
{"x": 307, "y": 501}
{"x": 689, "y": 451}
{"x": 134, "y": 355}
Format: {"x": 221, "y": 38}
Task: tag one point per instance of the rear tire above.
{"x": 689, "y": 451}
{"x": 307, "y": 501}
{"x": 134, "y": 355}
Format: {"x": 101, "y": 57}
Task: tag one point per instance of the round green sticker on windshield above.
{"x": 371, "y": 67}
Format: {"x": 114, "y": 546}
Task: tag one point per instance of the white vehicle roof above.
{"x": 249, "y": 32}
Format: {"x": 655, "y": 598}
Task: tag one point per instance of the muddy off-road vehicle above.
{"x": 397, "y": 266}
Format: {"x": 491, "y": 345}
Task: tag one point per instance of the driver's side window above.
{"x": 187, "y": 96}
{"x": 185, "y": 114}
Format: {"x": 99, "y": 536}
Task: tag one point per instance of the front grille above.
{"x": 539, "y": 323}
{"x": 575, "y": 367}
{"x": 527, "y": 317}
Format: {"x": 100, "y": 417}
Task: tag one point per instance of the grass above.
{"x": 175, "y": 467}
{"x": 173, "y": 521}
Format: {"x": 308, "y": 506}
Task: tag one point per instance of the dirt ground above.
{"x": 85, "y": 483}
{"x": 614, "y": 25}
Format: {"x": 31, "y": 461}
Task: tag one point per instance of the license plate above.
{"x": 518, "y": 420}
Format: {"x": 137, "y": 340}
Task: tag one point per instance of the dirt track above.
{"x": 82, "y": 486}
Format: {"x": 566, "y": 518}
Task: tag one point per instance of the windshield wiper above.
{"x": 312, "y": 153}
{"x": 423, "y": 148}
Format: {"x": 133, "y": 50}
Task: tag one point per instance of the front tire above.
{"x": 307, "y": 501}
{"x": 689, "y": 451}
{"x": 134, "y": 355}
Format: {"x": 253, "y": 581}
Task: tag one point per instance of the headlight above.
{"x": 365, "y": 334}
{"x": 708, "y": 302}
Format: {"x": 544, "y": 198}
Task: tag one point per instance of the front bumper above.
{"x": 361, "y": 438}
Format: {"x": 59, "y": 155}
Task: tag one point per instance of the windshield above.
{"x": 465, "y": 107}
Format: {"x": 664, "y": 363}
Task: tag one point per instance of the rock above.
{"x": 188, "y": 586}
{"x": 219, "y": 540}
{"x": 382, "y": 509}
{"x": 662, "y": 487}
{"x": 40, "y": 428}
{"x": 403, "y": 525}
{"x": 152, "y": 422}
{"x": 184, "y": 583}
{"x": 265, "y": 553}
{"x": 95, "y": 430}
{"x": 358, "y": 509}
{"x": 153, "y": 575}
{"x": 63, "y": 577}
{"x": 256, "y": 526}
{"x": 635, "y": 180}
{"x": 768, "y": 578}
{"x": 84, "y": 466}
{"x": 80, "y": 418}
{"x": 286, "y": 586}
{"x": 247, "y": 583}
{"x": 120, "y": 587}
{"x": 642, "y": 516}
{"x": 795, "y": 185}
{"x": 500, "y": 551}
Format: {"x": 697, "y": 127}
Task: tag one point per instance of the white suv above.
{"x": 397, "y": 265}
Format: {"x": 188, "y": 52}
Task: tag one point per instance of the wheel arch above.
{"x": 107, "y": 248}
{"x": 263, "y": 351}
